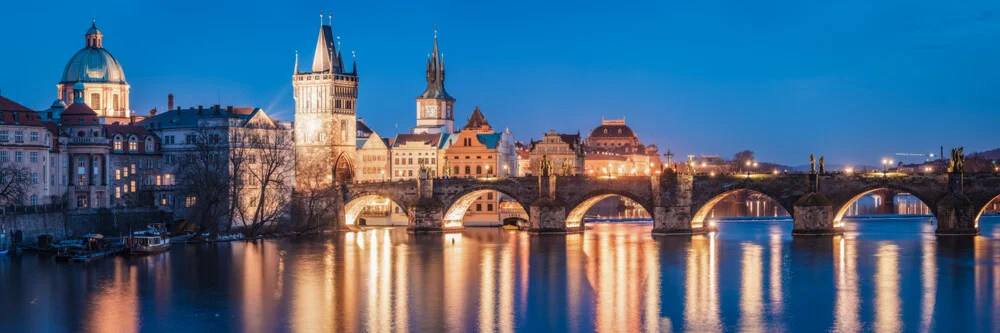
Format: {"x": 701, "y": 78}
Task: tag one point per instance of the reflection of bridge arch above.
{"x": 454, "y": 216}
{"x": 701, "y": 214}
{"x": 574, "y": 218}
{"x": 354, "y": 207}
{"x": 843, "y": 206}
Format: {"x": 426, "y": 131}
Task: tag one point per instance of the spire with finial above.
{"x": 296, "y": 62}
{"x": 330, "y": 17}
{"x": 321, "y": 17}
{"x": 94, "y": 35}
{"x": 435, "y": 72}
{"x": 354, "y": 65}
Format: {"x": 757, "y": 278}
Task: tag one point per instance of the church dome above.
{"x": 93, "y": 63}
{"x": 612, "y": 130}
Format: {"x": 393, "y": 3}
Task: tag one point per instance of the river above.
{"x": 884, "y": 274}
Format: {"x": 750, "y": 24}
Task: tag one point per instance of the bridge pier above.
{"x": 813, "y": 215}
{"x": 548, "y": 214}
{"x": 426, "y": 215}
{"x": 675, "y": 218}
{"x": 956, "y": 215}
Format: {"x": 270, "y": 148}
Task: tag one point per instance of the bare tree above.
{"x": 267, "y": 171}
{"x": 15, "y": 183}
{"x": 313, "y": 208}
{"x": 203, "y": 174}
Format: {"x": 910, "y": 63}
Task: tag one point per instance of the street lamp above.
{"x": 505, "y": 172}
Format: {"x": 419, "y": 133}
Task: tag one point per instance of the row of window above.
{"x": 133, "y": 144}
{"x": 479, "y": 170}
{"x": 33, "y": 136}
{"x": 409, "y": 161}
{"x": 33, "y": 157}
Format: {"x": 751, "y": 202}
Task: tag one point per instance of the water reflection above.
{"x": 893, "y": 275}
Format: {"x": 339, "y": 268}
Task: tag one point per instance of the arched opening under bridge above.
{"x": 738, "y": 204}
{"x": 608, "y": 207}
{"x": 482, "y": 207}
{"x": 374, "y": 209}
{"x": 882, "y": 201}
{"x": 990, "y": 209}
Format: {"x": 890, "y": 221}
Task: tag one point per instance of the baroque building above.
{"x": 435, "y": 108}
{"x": 613, "y": 149}
{"x": 104, "y": 87}
{"x": 564, "y": 150}
{"x": 325, "y": 110}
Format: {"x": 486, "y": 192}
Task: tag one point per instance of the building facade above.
{"x": 564, "y": 150}
{"x": 613, "y": 149}
{"x": 413, "y": 152}
{"x": 325, "y": 111}
{"x": 479, "y": 152}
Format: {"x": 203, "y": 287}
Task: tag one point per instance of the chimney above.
{"x": 170, "y": 101}
{"x": 229, "y": 109}
{"x": 411, "y": 130}
{"x": 152, "y": 113}
{"x": 216, "y": 108}
{"x": 199, "y": 109}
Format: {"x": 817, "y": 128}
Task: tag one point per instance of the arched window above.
{"x": 479, "y": 170}
{"x": 115, "y": 101}
{"x": 468, "y": 170}
{"x": 118, "y": 143}
{"x": 133, "y": 143}
{"x": 149, "y": 145}
{"x": 456, "y": 170}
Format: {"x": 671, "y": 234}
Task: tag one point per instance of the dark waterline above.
{"x": 889, "y": 274}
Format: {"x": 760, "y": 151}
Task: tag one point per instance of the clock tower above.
{"x": 435, "y": 108}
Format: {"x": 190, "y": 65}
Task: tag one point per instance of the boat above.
{"x": 87, "y": 248}
{"x": 154, "y": 239}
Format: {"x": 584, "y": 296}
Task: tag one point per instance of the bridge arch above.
{"x": 700, "y": 216}
{"x": 574, "y": 218}
{"x": 979, "y": 213}
{"x": 354, "y": 207}
{"x": 844, "y": 207}
{"x": 454, "y": 216}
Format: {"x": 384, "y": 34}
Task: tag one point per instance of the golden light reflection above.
{"x": 116, "y": 307}
{"x": 775, "y": 285}
{"x": 928, "y": 272}
{"x": 848, "y": 299}
{"x": 623, "y": 268}
{"x": 487, "y": 288}
{"x": 701, "y": 303}
{"x": 751, "y": 288}
{"x": 887, "y": 302}
{"x": 456, "y": 282}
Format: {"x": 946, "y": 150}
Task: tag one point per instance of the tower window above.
{"x": 95, "y": 101}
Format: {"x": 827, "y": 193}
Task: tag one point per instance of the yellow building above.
{"x": 479, "y": 152}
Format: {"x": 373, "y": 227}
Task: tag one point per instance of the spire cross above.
{"x": 435, "y": 30}
{"x": 338, "y": 42}
{"x": 354, "y": 55}
{"x": 330, "y": 16}
{"x": 321, "y": 17}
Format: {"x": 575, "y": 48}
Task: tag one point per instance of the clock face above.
{"x": 431, "y": 111}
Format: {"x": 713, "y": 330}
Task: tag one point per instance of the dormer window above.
{"x": 149, "y": 145}
{"x": 118, "y": 143}
{"x": 133, "y": 144}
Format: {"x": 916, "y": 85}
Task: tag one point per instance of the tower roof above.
{"x": 435, "y": 74}
{"x": 326, "y": 58}
{"x": 93, "y": 63}
{"x": 477, "y": 121}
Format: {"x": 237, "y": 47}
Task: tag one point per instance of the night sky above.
{"x": 852, "y": 80}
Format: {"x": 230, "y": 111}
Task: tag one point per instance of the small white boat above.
{"x": 152, "y": 240}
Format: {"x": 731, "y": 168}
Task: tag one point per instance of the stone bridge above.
{"x": 678, "y": 203}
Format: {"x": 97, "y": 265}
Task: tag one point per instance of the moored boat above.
{"x": 89, "y": 247}
{"x": 154, "y": 239}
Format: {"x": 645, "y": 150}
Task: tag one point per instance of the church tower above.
{"x": 435, "y": 108}
{"x": 325, "y": 117}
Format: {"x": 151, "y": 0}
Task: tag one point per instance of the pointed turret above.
{"x": 435, "y": 74}
{"x": 325, "y": 57}
{"x": 296, "y": 71}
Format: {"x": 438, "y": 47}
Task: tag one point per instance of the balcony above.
{"x": 88, "y": 141}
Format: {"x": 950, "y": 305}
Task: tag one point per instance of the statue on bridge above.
{"x": 447, "y": 169}
{"x": 567, "y": 167}
{"x": 822, "y": 165}
{"x": 957, "y": 162}
{"x": 812, "y": 163}
{"x": 546, "y": 167}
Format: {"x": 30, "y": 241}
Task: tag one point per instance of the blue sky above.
{"x": 852, "y": 80}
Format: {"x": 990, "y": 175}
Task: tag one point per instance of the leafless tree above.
{"x": 313, "y": 208}
{"x": 15, "y": 183}
{"x": 266, "y": 173}
{"x": 203, "y": 174}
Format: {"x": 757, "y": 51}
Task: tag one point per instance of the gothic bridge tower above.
{"x": 325, "y": 113}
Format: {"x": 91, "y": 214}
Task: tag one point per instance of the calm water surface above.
{"x": 883, "y": 275}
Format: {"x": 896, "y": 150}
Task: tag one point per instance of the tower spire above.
{"x": 296, "y": 62}
{"x": 321, "y": 17}
{"x": 354, "y": 65}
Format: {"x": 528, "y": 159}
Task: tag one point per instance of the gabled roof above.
{"x": 13, "y": 113}
{"x": 363, "y": 128}
{"x": 477, "y": 120}
{"x": 427, "y": 139}
{"x": 9, "y": 105}
{"x": 187, "y": 118}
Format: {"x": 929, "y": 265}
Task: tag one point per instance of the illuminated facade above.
{"x": 412, "y": 152}
{"x": 373, "y": 158}
{"x": 479, "y": 152}
{"x": 325, "y": 111}
{"x": 564, "y": 150}
{"x": 104, "y": 87}
{"x": 613, "y": 149}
